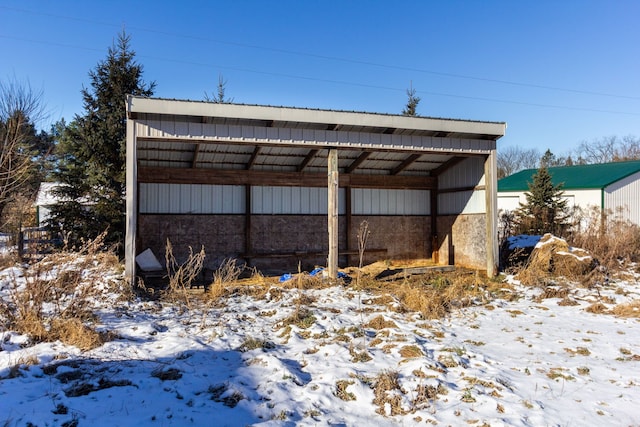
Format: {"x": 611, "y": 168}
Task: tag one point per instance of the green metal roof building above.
{"x": 609, "y": 186}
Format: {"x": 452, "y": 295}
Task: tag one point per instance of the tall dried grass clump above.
{"x": 227, "y": 274}
{"x": 612, "y": 239}
{"x": 55, "y": 297}
{"x": 631, "y": 309}
{"x": 182, "y": 275}
{"x": 435, "y": 297}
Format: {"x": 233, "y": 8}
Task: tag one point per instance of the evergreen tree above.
{"x": 545, "y": 210}
{"x": 220, "y": 97}
{"x": 92, "y": 150}
{"x": 412, "y": 103}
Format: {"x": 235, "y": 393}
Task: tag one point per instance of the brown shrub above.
{"x": 57, "y": 295}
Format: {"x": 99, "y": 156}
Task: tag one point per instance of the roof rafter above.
{"x": 253, "y": 157}
{"x": 310, "y": 155}
{"x": 357, "y": 162}
{"x": 405, "y": 164}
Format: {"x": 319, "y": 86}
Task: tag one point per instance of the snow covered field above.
{"x": 350, "y": 358}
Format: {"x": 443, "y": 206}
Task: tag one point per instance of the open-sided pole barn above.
{"x": 275, "y": 186}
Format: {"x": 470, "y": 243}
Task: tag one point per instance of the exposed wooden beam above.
{"x": 405, "y": 164}
{"x": 194, "y": 161}
{"x": 310, "y": 155}
{"x": 446, "y": 165}
{"x": 357, "y": 162}
{"x": 271, "y": 178}
{"x": 253, "y": 157}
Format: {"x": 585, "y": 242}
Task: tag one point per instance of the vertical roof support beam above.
{"x": 491, "y": 197}
{"x": 332, "y": 212}
{"x": 131, "y": 219}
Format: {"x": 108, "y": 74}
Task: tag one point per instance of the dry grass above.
{"x": 388, "y": 393}
{"x": 182, "y": 275}
{"x": 379, "y": 322}
{"x": 615, "y": 243}
{"x": 597, "y": 308}
{"x": 631, "y": 309}
{"x": 225, "y": 276}
{"x": 341, "y": 390}
{"x": 410, "y": 351}
{"x": 553, "y": 292}
{"x": 55, "y": 298}
{"x": 435, "y": 296}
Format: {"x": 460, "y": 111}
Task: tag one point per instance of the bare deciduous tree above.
{"x": 609, "y": 149}
{"x": 514, "y": 159}
{"x": 20, "y": 108}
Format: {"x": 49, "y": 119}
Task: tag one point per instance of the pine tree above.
{"x": 412, "y": 103}
{"x": 545, "y": 210}
{"x": 92, "y": 150}
{"x": 220, "y": 97}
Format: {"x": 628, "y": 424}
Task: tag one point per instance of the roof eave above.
{"x": 141, "y": 105}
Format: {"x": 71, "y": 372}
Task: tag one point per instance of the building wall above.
{"x": 461, "y": 240}
{"x": 283, "y": 221}
{"x": 624, "y": 196}
{"x": 276, "y": 239}
{"x": 510, "y": 200}
{"x": 467, "y": 174}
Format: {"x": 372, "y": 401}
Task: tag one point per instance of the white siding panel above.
{"x": 462, "y": 202}
{"x": 508, "y": 203}
{"x": 191, "y": 198}
{"x": 368, "y": 201}
{"x": 468, "y": 173}
{"x": 293, "y": 200}
{"x": 625, "y": 195}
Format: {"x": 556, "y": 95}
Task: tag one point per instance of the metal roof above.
{"x": 243, "y": 155}
{"x": 578, "y": 177}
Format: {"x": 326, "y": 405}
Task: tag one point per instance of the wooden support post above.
{"x": 248, "y": 245}
{"x": 433, "y": 206}
{"x": 491, "y": 198}
{"x": 332, "y": 212}
{"x": 348, "y": 222}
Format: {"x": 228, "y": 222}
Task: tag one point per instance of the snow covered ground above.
{"x": 352, "y": 359}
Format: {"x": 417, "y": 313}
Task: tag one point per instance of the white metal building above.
{"x": 275, "y": 184}
{"x": 611, "y": 187}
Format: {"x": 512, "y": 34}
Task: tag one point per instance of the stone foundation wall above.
{"x": 462, "y": 240}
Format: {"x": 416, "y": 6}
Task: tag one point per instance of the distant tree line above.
{"x": 603, "y": 150}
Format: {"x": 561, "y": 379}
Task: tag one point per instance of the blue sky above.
{"x": 558, "y": 72}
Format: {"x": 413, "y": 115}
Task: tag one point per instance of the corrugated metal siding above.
{"x": 468, "y": 173}
{"x": 366, "y": 201}
{"x": 462, "y": 202}
{"x": 293, "y": 200}
{"x": 625, "y": 194}
{"x": 191, "y": 199}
